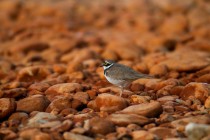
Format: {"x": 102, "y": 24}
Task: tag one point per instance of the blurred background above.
{"x": 77, "y": 32}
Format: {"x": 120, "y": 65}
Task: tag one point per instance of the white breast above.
{"x": 113, "y": 81}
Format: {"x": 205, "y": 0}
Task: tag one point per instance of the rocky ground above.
{"x": 51, "y": 85}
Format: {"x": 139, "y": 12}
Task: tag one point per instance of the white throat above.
{"x": 107, "y": 67}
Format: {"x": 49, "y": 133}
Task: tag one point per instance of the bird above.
{"x": 121, "y": 75}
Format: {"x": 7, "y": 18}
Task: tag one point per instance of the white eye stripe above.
{"x": 107, "y": 67}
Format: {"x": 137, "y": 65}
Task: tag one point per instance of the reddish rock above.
{"x": 127, "y": 53}
{"x": 29, "y": 45}
{"x": 101, "y": 126}
{"x": 163, "y": 132}
{"x": 108, "y": 103}
{"x": 62, "y": 89}
{"x": 136, "y": 99}
{"x": 126, "y": 119}
{"x": 59, "y": 104}
{"x": 59, "y": 68}
{"x": 181, "y": 123}
{"x": 143, "y": 135}
{"x": 33, "y": 103}
{"x": 200, "y": 91}
{"x": 8, "y": 134}
{"x": 83, "y": 97}
{"x": 152, "y": 109}
{"x": 42, "y": 86}
{"x": 20, "y": 116}
{"x": 7, "y": 107}
{"x": 159, "y": 70}
{"x": 109, "y": 55}
{"x": 165, "y": 99}
{"x": 207, "y": 103}
{"x": 173, "y": 61}
{"x": 174, "y": 24}
{"x": 34, "y": 133}
{"x": 33, "y": 73}
{"x": 72, "y": 136}
{"x": 64, "y": 126}
{"x": 137, "y": 87}
{"x": 13, "y": 93}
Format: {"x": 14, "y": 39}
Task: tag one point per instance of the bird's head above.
{"x": 107, "y": 64}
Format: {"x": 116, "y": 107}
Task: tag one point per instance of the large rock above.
{"x": 7, "y": 107}
{"x": 72, "y": 136}
{"x": 40, "y": 118}
{"x": 59, "y": 104}
{"x": 33, "y": 103}
{"x": 62, "y": 89}
{"x": 107, "y": 102}
{"x": 125, "y": 119}
{"x": 163, "y": 132}
{"x": 34, "y": 73}
{"x": 200, "y": 91}
{"x": 179, "y": 60}
{"x": 13, "y": 93}
{"x": 152, "y": 109}
{"x": 101, "y": 126}
{"x": 197, "y": 131}
{"x": 181, "y": 123}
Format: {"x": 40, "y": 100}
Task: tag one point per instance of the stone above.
{"x": 7, "y": 107}
{"x": 35, "y": 134}
{"x": 40, "y": 118}
{"x": 109, "y": 55}
{"x": 196, "y": 131}
{"x": 42, "y": 136}
{"x": 20, "y": 116}
{"x": 174, "y": 63}
{"x": 173, "y": 6}
{"x": 180, "y": 124}
{"x": 136, "y": 99}
{"x": 143, "y": 135}
{"x": 64, "y": 126}
{"x": 163, "y": 132}
{"x": 108, "y": 103}
{"x": 14, "y": 93}
{"x": 30, "y": 45}
{"x": 33, "y": 73}
{"x": 72, "y": 136}
{"x": 62, "y": 89}
{"x": 77, "y": 56}
{"x": 152, "y": 109}
{"x": 207, "y": 103}
{"x": 126, "y": 119}
{"x": 159, "y": 70}
{"x": 123, "y": 51}
{"x": 200, "y": 91}
{"x": 82, "y": 97}
{"x": 42, "y": 86}
{"x": 175, "y": 24}
{"x": 50, "y": 124}
{"x": 59, "y": 68}
{"x": 101, "y": 126}
{"x": 33, "y": 103}
{"x": 7, "y": 134}
{"x": 59, "y": 104}
{"x": 165, "y": 99}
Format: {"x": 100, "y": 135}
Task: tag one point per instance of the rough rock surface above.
{"x": 52, "y": 85}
